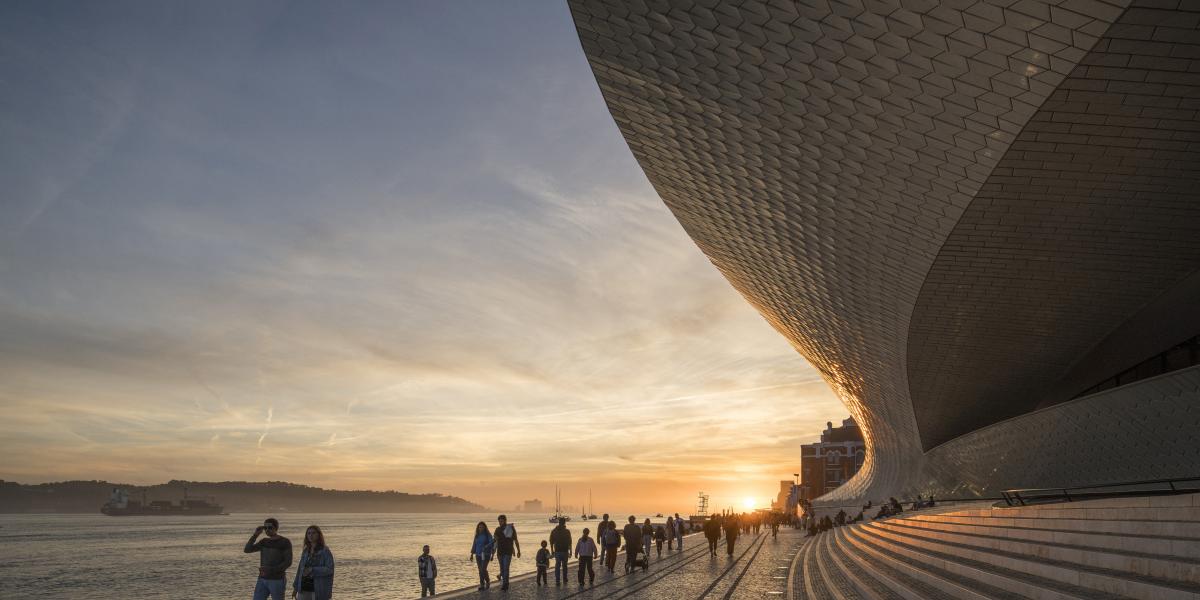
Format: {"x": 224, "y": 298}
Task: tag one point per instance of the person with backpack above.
{"x": 586, "y": 552}
{"x": 506, "y": 543}
{"x": 560, "y": 545}
{"x": 542, "y": 560}
{"x": 600, "y": 531}
{"x": 660, "y": 536}
{"x": 426, "y": 571}
{"x": 612, "y": 541}
{"x": 482, "y": 547}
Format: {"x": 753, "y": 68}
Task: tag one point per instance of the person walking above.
{"x": 542, "y": 560}
{"x": 560, "y": 545}
{"x": 482, "y": 547}
{"x": 426, "y": 571}
{"x": 679, "y": 532}
{"x": 712, "y": 532}
{"x": 274, "y": 558}
{"x": 732, "y": 526}
{"x": 670, "y": 533}
{"x": 506, "y": 543}
{"x": 612, "y": 541}
{"x": 633, "y": 542}
{"x": 314, "y": 572}
{"x": 600, "y": 531}
{"x": 660, "y": 536}
{"x": 647, "y": 538}
{"x": 586, "y": 552}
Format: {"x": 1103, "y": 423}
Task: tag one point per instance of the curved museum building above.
{"x": 980, "y": 220}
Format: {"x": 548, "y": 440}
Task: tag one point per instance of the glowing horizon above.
{"x": 400, "y": 250}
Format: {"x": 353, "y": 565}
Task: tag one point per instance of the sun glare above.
{"x": 748, "y": 503}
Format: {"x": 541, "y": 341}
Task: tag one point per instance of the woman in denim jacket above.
{"x": 481, "y": 552}
{"x": 314, "y": 573}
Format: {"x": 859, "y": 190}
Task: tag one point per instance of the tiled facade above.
{"x": 943, "y": 205}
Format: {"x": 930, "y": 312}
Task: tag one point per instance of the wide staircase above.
{"x": 1133, "y": 547}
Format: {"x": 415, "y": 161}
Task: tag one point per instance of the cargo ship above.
{"x": 119, "y": 505}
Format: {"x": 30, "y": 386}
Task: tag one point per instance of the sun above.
{"x": 747, "y": 503}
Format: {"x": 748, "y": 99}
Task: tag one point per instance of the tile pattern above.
{"x": 822, "y": 152}
{"x": 1092, "y": 212}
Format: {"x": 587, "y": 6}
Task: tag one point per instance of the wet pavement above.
{"x": 758, "y": 569}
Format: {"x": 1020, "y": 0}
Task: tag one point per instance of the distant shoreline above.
{"x": 86, "y": 497}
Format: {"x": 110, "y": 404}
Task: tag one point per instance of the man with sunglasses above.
{"x": 274, "y": 558}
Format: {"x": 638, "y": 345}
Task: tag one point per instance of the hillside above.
{"x": 235, "y": 496}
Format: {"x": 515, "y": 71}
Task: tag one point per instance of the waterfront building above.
{"x": 532, "y": 506}
{"x": 979, "y": 221}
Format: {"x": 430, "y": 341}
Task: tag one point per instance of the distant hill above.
{"x": 235, "y": 496}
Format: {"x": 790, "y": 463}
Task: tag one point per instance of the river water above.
{"x": 101, "y": 557}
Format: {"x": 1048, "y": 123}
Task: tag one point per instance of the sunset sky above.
{"x": 400, "y": 247}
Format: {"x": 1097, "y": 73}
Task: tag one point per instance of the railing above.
{"x": 1104, "y": 490}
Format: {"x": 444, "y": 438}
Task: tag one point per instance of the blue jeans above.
{"x": 482, "y": 563}
{"x": 505, "y": 561}
{"x": 560, "y": 564}
{"x": 271, "y": 587}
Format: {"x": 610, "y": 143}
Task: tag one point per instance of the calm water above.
{"x": 100, "y": 557}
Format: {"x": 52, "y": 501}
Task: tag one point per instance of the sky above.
{"x": 402, "y": 246}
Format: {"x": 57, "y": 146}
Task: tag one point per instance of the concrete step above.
{"x": 1173, "y": 568}
{"x": 1182, "y": 547}
{"x": 980, "y": 577}
{"x": 904, "y": 579}
{"x": 1099, "y": 580}
{"x": 835, "y": 576}
{"x": 1156, "y": 528}
{"x": 814, "y": 583}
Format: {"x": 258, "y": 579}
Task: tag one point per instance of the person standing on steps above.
{"x": 482, "y": 547}
{"x": 506, "y": 544}
{"x": 586, "y": 552}
{"x": 560, "y": 545}
{"x": 274, "y": 558}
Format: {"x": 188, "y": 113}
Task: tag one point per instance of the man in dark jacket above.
{"x": 560, "y": 545}
{"x": 633, "y": 542}
{"x": 274, "y": 558}
{"x": 506, "y": 542}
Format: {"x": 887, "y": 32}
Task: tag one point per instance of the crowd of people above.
{"x": 887, "y": 509}
{"x": 314, "y": 572}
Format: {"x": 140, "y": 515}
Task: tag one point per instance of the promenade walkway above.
{"x": 758, "y": 569}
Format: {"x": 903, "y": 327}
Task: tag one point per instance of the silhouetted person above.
{"x": 314, "y": 573}
{"x": 506, "y": 543}
{"x": 560, "y": 545}
{"x": 633, "y": 542}
{"x": 670, "y": 533}
{"x": 612, "y": 541}
{"x": 712, "y": 533}
{"x": 600, "y": 537}
{"x": 660, "y": 536}
{"x": 841, "y": 517}
{"x": 586, "y": 552}
{"x": 679, "y": 531}
{"x": 426, "y": 571}
{"x": 542, "y": 560}
{"x": 731, "y": 533}
{"x": 647, "y": 538}
{"x": 274, "y": 558}
{"x": 482, "y": 547}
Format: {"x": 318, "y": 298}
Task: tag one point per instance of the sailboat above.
{"x": 558, "y": 507}
{"x": 589, "y": 516}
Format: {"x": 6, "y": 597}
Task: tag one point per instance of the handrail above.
{"x": 1020, "y": 497}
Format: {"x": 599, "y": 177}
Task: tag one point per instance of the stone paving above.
{"x": 758, "y": 569}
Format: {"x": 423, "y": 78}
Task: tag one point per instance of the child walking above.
{"x": 543, "y": 563}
